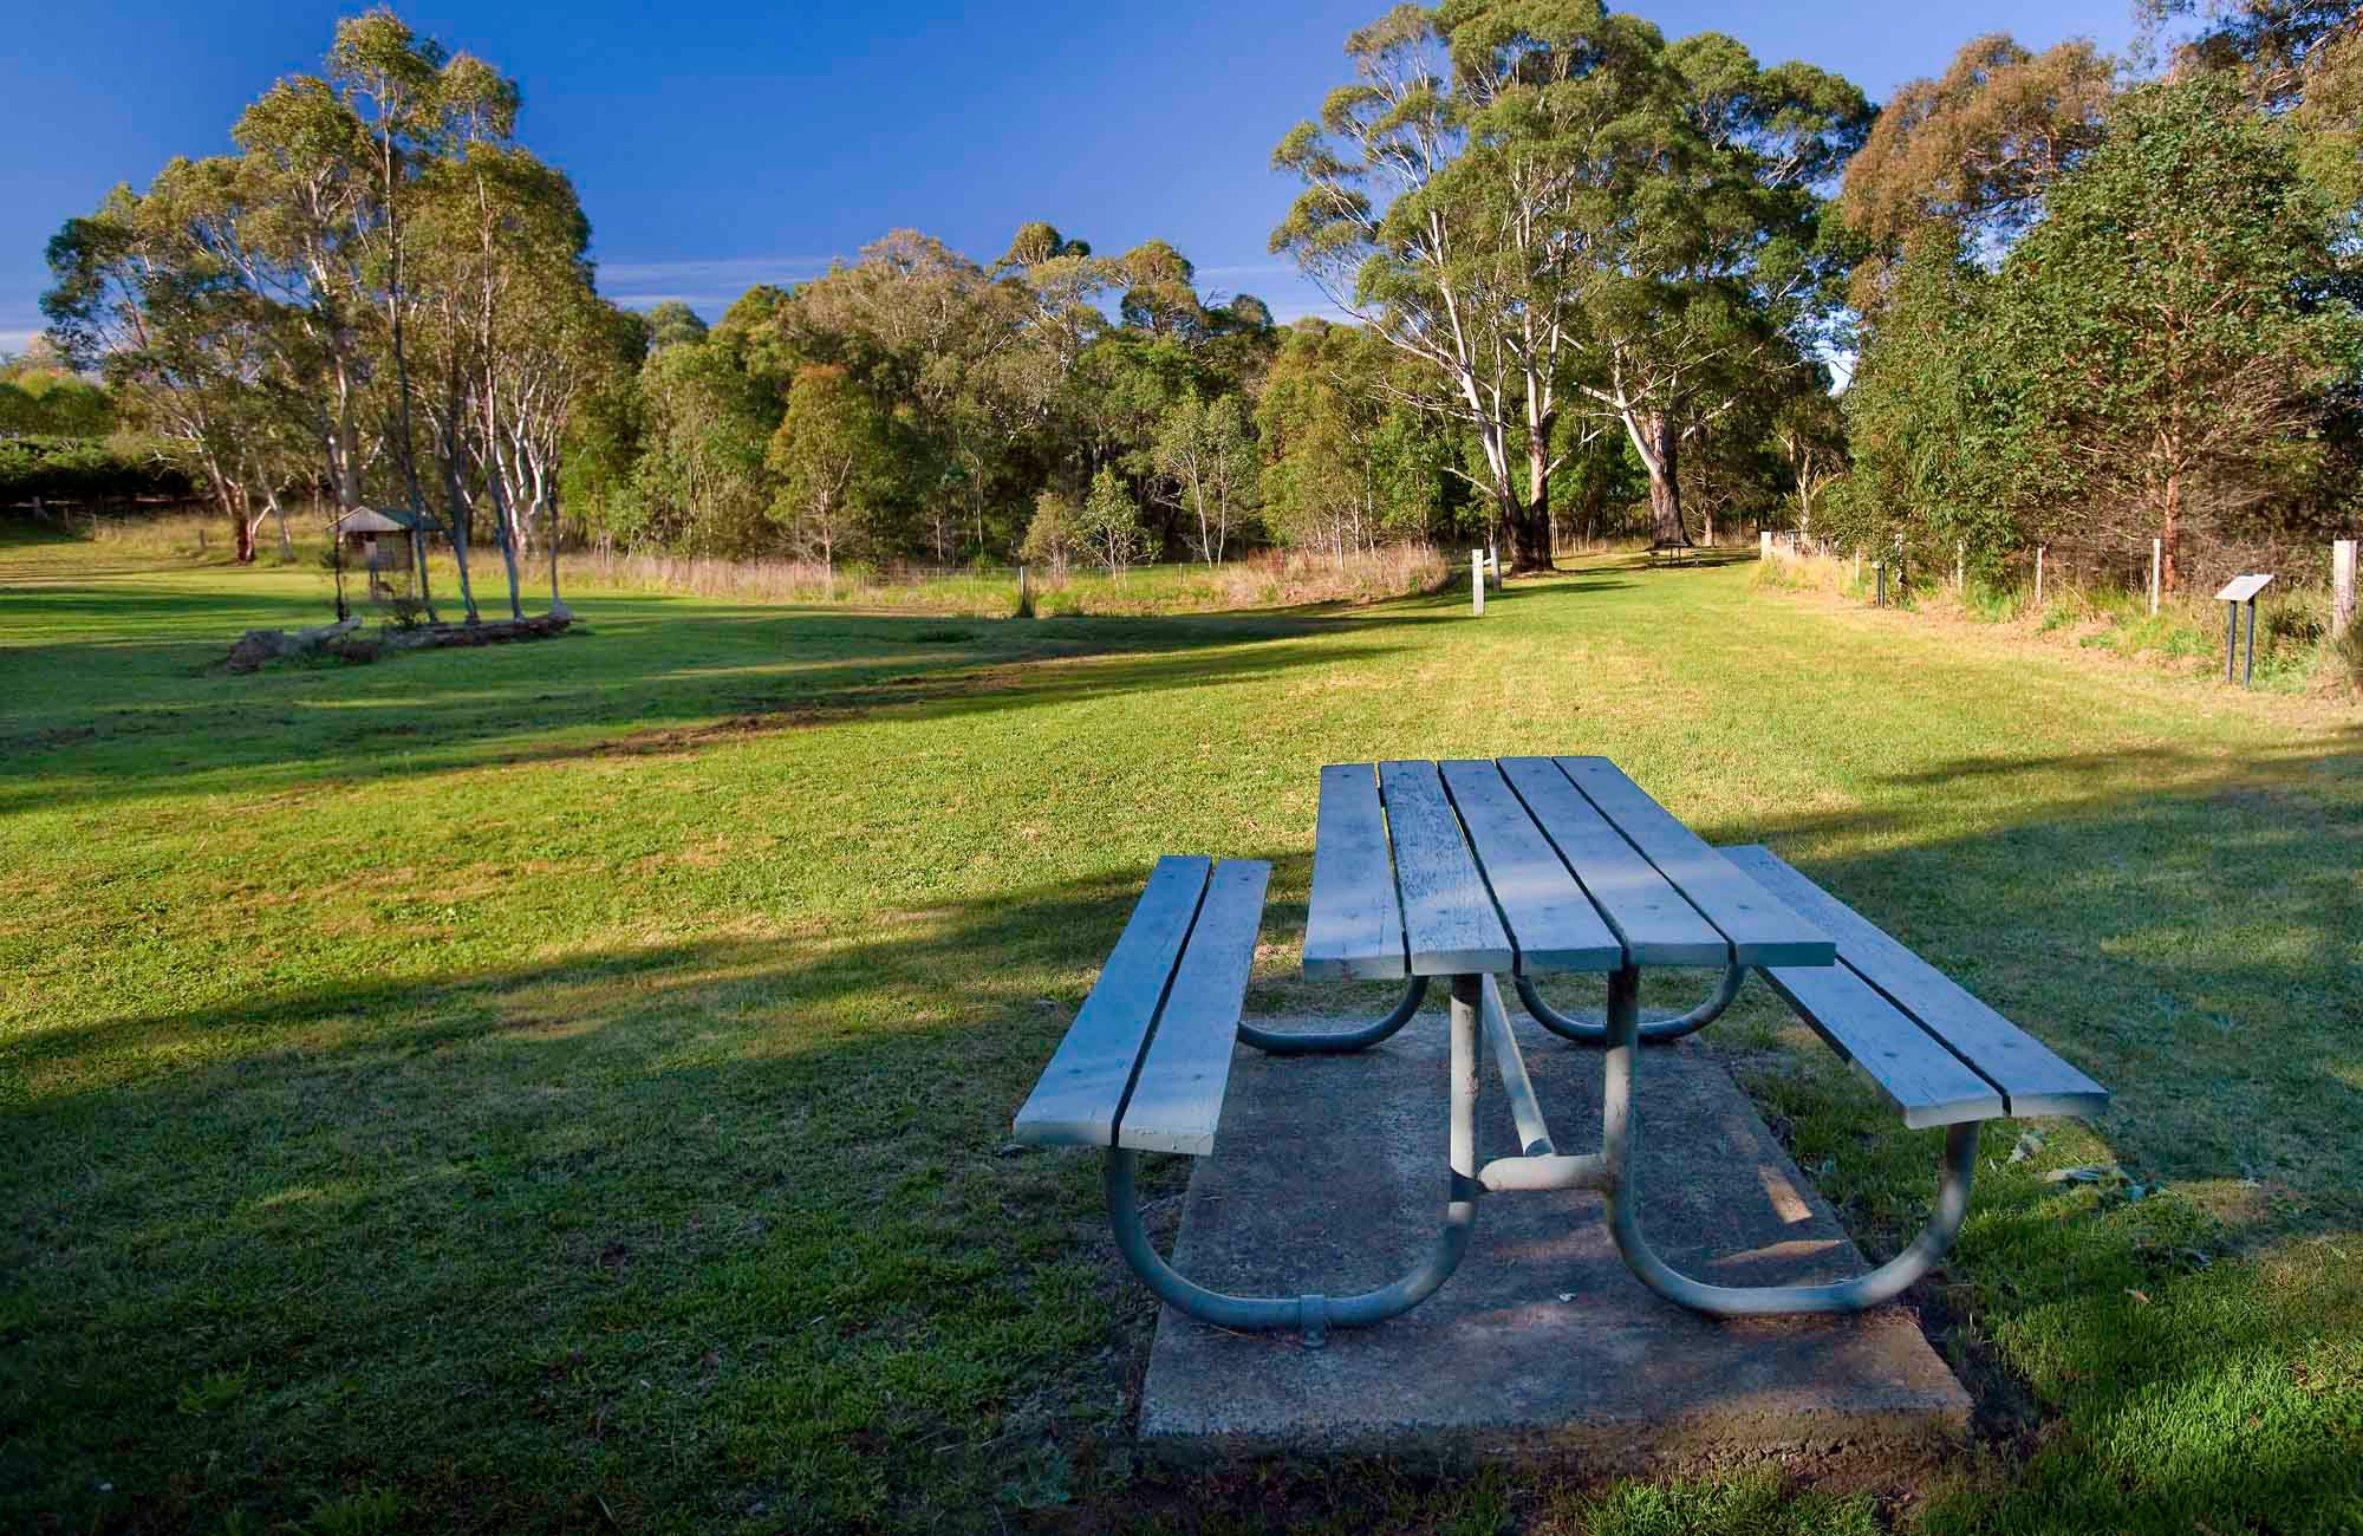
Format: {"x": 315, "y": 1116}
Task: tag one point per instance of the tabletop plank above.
{"x": 1082, "y": 1091}
{"x": 2033, "y": 1077}
{"x": 1354, "y": 924}
{"x": 1177, "y": 1101}
{"x": 1553, "y": 924}
{"x": 1657, "y": 926}
{"x": 1763, "y": 930}
{"x": 1449, "y": 924}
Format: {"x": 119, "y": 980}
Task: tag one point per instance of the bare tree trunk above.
{"x": 1665, "y": 482}
{"x": 455, "y": 496}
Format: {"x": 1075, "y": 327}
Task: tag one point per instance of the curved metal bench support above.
{"x": 1316, "y": 1314}
{"x": 1587, "y": 1031}
{"x": 1624, "y": 1220}
{"x": 1338, "y": 1042}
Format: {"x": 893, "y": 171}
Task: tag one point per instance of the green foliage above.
{"x": 2170, "y": 322}
{"x": 1205, "y": 452}
{"x": 1932, "y": 416}
{"x": 1108, "y": 522}
{"x": 672, "y": 323}
{"x": 836, "y": 465}
{"x": 1345, "y": 467}
{"x": 1551, "y": 209}
{"x": 85, "y": 469}
{"x": 1052, "y": 533}
{"x": 41, "y": 400}
{"x": 2167, "y": 353}
{"x": 700, "y": 482}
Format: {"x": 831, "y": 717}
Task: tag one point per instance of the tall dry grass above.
{"x": 2294, "y": 651}
{"x": 1270, "y": 579}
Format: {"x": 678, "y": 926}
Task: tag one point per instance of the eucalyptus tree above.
{"x": 148, "y": 291}
{"x": 672, "y": 323}
{"x": 699, "y": 482}
{"x": 388, "y": 79}
{"x": 1716, "y": 275}
{"x": 1345, "y": 464}
{"x": 1438, "y": 189}
{"x": 927, "y": 333}
{"x": 1204, "y": 452}
{"x": 1108, "y": 522}
{"x": 2177, "y": 329}
{"x": 835, "y": 462}
{"x": 1556, "y": 210}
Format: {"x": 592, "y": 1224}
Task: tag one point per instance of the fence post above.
{"x": 2157, "y": 557}
{"x": 1477, "y": 582}
{"x": 1025, "y": 592}
{"x": 2038, "y": 575}
{"x": 2342, "y": 586}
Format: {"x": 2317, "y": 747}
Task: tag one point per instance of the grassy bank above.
{"x": 565, "y": 1086}
{"x": 2294, "y": 650}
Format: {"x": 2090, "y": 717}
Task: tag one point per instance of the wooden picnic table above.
{"x": 1475, "y": 869}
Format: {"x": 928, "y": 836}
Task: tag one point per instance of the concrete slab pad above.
{"x": 1329, "y": 1175}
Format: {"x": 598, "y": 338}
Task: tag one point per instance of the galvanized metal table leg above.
{"x": 1317, "y": 1314}
{"x": 1589, "y": 1031}
{"x": 1338, "y": 1042}
{"x": 1624, "y": 1221}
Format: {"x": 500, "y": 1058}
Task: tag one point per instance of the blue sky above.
{"x": 718, "y": 146}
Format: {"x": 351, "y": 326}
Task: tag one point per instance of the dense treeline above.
{"x": 1602, "y": 281}
{"x": 2100, "y": 309}
{"x": 1054, "y": 405}
{"x": 59, "y": 441}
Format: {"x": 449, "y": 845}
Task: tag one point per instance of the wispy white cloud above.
{"x": 701, "y": 282}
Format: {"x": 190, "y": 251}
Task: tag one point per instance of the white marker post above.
{"x": 1477, "y": 582}
{"x": 2038, "y": 575}
{"x": 2157, "y": 561}
{"x": 2342, "y": 587}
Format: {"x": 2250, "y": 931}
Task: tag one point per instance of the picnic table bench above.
{"x": 1526, "y": 866}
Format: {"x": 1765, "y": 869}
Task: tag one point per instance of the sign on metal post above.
{"x": 2241, "y": 590}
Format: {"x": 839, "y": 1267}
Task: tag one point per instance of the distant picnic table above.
{"x": 1471, "y": 870}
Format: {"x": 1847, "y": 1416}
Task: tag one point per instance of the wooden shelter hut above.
{"x": 388, "y": 545}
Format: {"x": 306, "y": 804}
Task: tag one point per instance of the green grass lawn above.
{"x": 566, "y": 1086}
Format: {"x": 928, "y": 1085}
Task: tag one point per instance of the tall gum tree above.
{"x": 1556, "y": 210}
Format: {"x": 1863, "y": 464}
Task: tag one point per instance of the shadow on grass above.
{"x": 119, "y": 720}
{"x": 725, "y": 1232}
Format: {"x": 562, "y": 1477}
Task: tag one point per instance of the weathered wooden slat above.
{"x": 1082, "y": 1090}
{"x": 1920, "y": 1077}
{"x": 1354, "y": 925}
{"x": 1762, "y": 930}
{"x": 1657, "y": 926}
{"x": 2033, "y": 1079}
{"x": 1553, "y": 924}
{"x": 1449, "y": 925}
{"x": 1177, "y": 1098}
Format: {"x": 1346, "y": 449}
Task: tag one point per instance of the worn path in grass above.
{"x": 565, "y": 1085}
